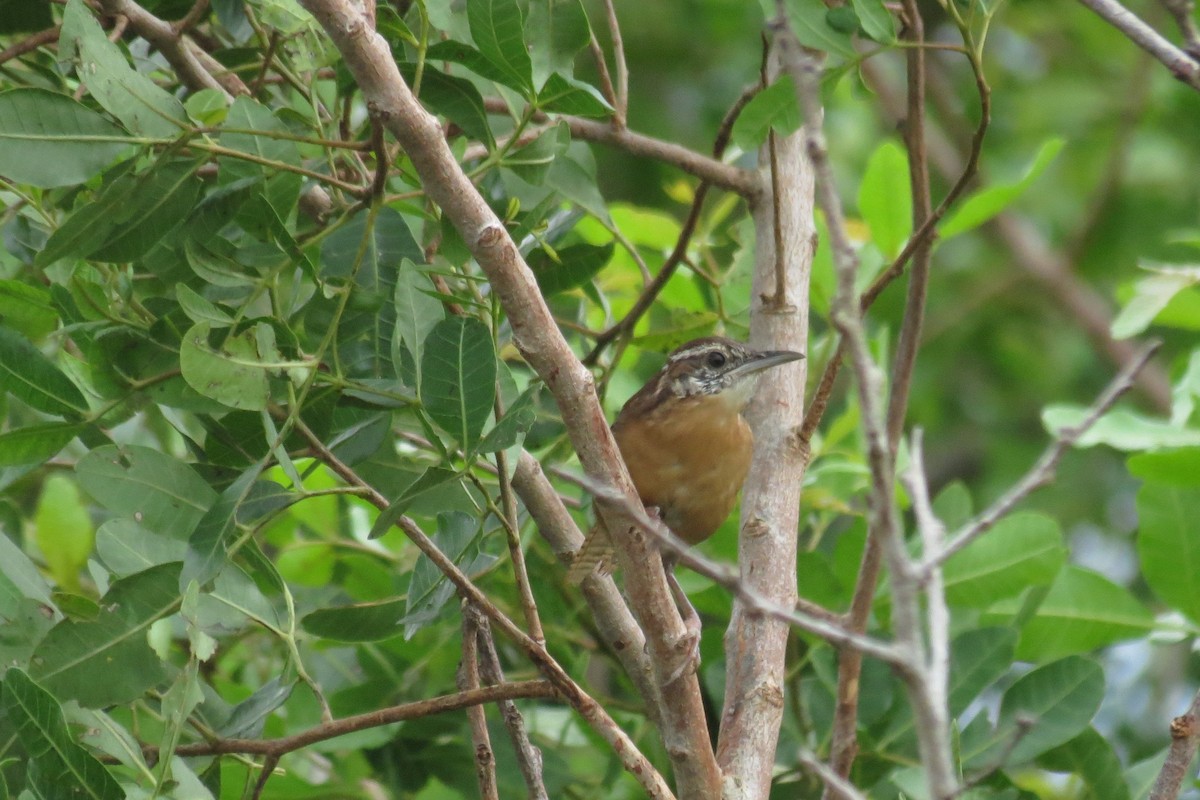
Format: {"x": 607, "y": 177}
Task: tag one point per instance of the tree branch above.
{"x": 372, "y": 719}
{"x": 756, "y": 643}
{"x": 388, "y": 97}
{"x": 187, "y": 61}
{"x": 1185, "y": 735}
{"x": 1182, "y": 65}
{"x": 1042, "y": 472}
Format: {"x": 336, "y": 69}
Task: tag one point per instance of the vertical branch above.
{"x": 755, "y": 645}
{"x": 468, "y": 679}
{"x": 845, "y": 744}
{"x": 512, "y": 534}
{"x": 529, "y": 758}
{"x": 621, "y": 117}
{"x": 884, "y": 518}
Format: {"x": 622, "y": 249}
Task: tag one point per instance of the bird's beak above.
{"x": 765, "y": 359}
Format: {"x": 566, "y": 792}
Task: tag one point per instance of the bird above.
{"x": 686, "y": 445}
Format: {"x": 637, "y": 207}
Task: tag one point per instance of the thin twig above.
{"x": 1184, "y": 13}
{"x": 360, "y": 722}
{"x": 512, "y": 532}
{"x": 806, "y": 616}
{"x": 29, "y": 44}
{"x": 646, "y": 299}
{"x": 591, "y": 711}
{"x": 1043, "y": 470}
{"x": 468, "y": 680}
{"x": 883, "y": 519}
{"x": 835, "y": 785}
{"x": 606, "y": 85}
{"x": 529, "y": 757}
{"x": 622, "y": 88}
{"x": 1182, "y": 65}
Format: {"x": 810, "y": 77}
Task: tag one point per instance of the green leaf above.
{"x": 430, "y": 479}
{"x": 30, "y": 376}
{"x": 19, "y": 577}
{"x": 773, "y": 107}
{"x": 558, "y": 30}
{"x": 461, "y": 53}
{"x": 363, "y": 622}
{"x": 247, "y": 718}
{"x": 1168, "y": 544}
{"x": 48, "y": 139}
{"x": 127, "y": 548}
{"x": 498, "y": 30}
{"x": 64, "y": 530}
{"x": 1090, "y": 756}
{"x": 1024, "y": 549}
{"x": 987, "y": 203}
{"x": 416, "y": 315}
{"x": 158, "y": 491}
{"x": 36, "y": 443}
{"x": 142, "y": 106}
{"x": 810, "y": 24}
{"x": 563, "y": 95}
{"x": 885, "y": 198}
{"x": 208, "y": 546}
{"x": 458, "y": 538}
{"x": 232, "y": 373}
{"x": 27, "y": 309}
{"x": 73, "y": 654}
{"x": 200, "y": 309}
{"x": 1120, "y": 428}
{"x": 533, "y": 161}
{"x": 161, "y": 200}
{"x": 1057, "y": 701}
{"x": 64, "y": 769}
{"x": 511, "y": 428}
{"x": 876, "y": 20}
{"x": 455, "y": 98}
{"x": 573, "y": 175}
{"x": 1175, "y": 467}
{"x": 458, "y": 377}
{"x": 568, "y": 268}
{"x": 1082, "y": 611}
{"x": 280, "y": 188}
{"x": 1151, "y": 295}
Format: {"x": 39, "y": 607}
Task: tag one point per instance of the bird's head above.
{"x": 718, "y": 366}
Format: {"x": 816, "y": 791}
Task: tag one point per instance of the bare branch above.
{"x": 1185, "y": 735}
{"x": 756, "y": 639}
{"x": 805, "y": 616}
{"x": 1184, "y": 13}
{"x": 1042, "y": 472}
{"x": 371, "y": 719}
{"x": 618, "y": 45}
{"x": 468, "y": 679}
{"x": 529, "y": 758}
{"x": 171, "y": 43}
{"x": 29, "y": 44}
{"x": 1182, "y": 65}
{"x": 591, "y": 711}
{"x": 368, "y": 58}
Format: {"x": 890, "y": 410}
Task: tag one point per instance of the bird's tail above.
{"x": 596, "y": 552}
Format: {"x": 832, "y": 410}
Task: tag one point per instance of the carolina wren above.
{"x": 685, "y": 442}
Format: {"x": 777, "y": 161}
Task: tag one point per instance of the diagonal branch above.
{"x": 535, "y": 334}
{"x": 1182, "y": 65}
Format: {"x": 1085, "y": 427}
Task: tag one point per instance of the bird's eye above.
{"x": 715, "y": 359}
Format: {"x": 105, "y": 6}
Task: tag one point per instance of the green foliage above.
{"x": 241, "y": 360}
